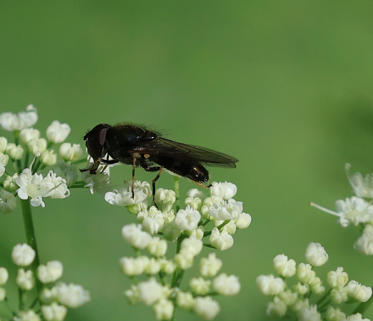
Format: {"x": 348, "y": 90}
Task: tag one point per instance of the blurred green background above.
{"x": 285, "y": 86}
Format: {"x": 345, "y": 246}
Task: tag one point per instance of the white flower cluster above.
{"x": 55, "y": 298}
{"x": 22, "y": 162}
{"x": 308, "y": 299}
{"x": 204, "y": 221}
{"x": 357, "y": 210}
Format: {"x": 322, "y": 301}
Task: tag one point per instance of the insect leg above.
{"x": 201, "y": 184}
{"x": 153, "y": 184}
{"x": 133, "y": 177}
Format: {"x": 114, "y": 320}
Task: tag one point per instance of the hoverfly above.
{"x": 138, "y": 146}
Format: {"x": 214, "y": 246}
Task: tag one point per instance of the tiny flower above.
{"x": 184, "y": 260}
{"x": 243, "y": 221}
{"x": 358, "y": 291}
{"x": 339, "y": 296}
{"x": 210, "y": 266}
{"x": 50, "y": 272}
{"x": 223, "y": 190}
{"x": 3, "y": 275}
{"x": 14, "y": 151}
{"x": 31, "y": 186}
{"x": 25, "y": 279}
{"x": 305, "y": 273}
{"x": 150, "y": 291}
{"x": 3, "y": 162}
{"x": 165, "y": 198}
{"x": 132, "y": 294}
{"x": 163, "y": 309}
{"x": 10, "y": 183}
{"x": 206, "y": 307}
{"x": 356, "y": 317}
{"x": 134, "y": 235}
{"x": 289, "y": 297}
{"x": 11, "y": 122}
{"x": 221, "y": 240}
{"x": 55, "y": 186}
{"x": 270, "y": 285}
{"x": 316, "y": 254}
{"x": 301, "y": 288}
{"x": 123, "y": 196}
{"x": 167, "y": 266}
{"x": 365, "y": 242}
{"x": 153, "y": 267}
{"x": 276, "y": 308}
{"x": 28, "y": 134}
{"x": 185, "y": 300}
{"x": 226, "y": 284}
{"x": 337, "y": 279}
{"x": 157, "y": 247}
{"x": 355, "y": 210}
{"x": 200, "y": 286}
{"x": 362, "y": 185}
{"x": 57, "y": 132}
{"x": 23, "y": 254}
{"x": 70, "y": 152}
{"x": 334, "y": 314}
{"x": 2, "y": 294}
{"x": 3, "y": 143}
{"x": 316, "y": 286}
{"x": 284, "y": 266}
{"x": 37, "y": 146}
{"x": 8, "y": 201}
{"x": 228, "y": 210}
{"x": 48, "y": 158}
{"x": 71, "y": 295}
{"x": 187, "y": 219}
{"x": 134, "y": 266}
{"x": 54, "y": 312}
{"x": 153, "y": 220}
{"x": 191, "y": 246}
{"x": 29, "y": 315}
{"x": 309, "y": 314}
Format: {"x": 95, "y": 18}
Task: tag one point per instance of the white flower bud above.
{"x": 191, "y": 246}
{"x": 2, "y": 294}
{"x": 200, "y": 286}
{"x": 3, "y": 143}
{"x": 152, "y": 220}
{"x": 163, "y": 309}
{"x": 270, "y": 285}
{"x": 243, "y": 221}
{"x": 134, "y": 235}
{"x": 11, "y": 122}
{"x": 48, "y": 158}
{"x": 338, "y": 278}
{"x": 28, "y": 134}
{"x": 29, "y": 315}
{"x": 57, "y": 132}
{"x": 71, "y": 295}
{"x": 197, "y": 233}
{"x": 187, "y": 219}
{"x": 54, "y": 312}
{"x": 153, "y": 267}
{"x": 358, "y": 291}
{"x": 185, "y": 300}
{"x": 70, "y": 152}
{"x": 14, "y": 151}
{"x": 134, "y": 266}
{"x": 157, "y": 247}
{"x": 339, "y": 296}
{"x": 167, "y": 266}
{"x": 305, "y": 273}
{"x": 221, "y": 240}
{"x": 230, "y": 228}
{"x": 150, "y": 291}
{"x": 301, "y": 289}
{"x": 133, "y": 294}
{"x": 23, "y": 254}
{"x": 184, "y": 260}
{"x": 48, "y": 295}
{"x": 50, "y": 272}
{"x": 37, "y": 146}
{"x": 300, "y": 305}
{"x": 206, "y": 307}
{"x": 223, "y": 190}
{"x": 8, "y": 201}
{"x": 276, "y": 308}
{"x": 364, "y": 244}
{"x": 165, "y": 198}
{"x": 316, "y": 286}
{"x": 356, "y": 317}
{"x": 10, "y": 183}
{"x": 25, "y": 279}
{"x": 316, "y": 254}
{"x": 193, "y": 202}
{"x": 228, "y": 210}
{"x": 334, "y": 314}
{"x": 3, "y": 275}
{"x": 210, "y": 266}
{"x": 288, "y": 297}
{"x": 226, "y": 284}
{"x": 284, "y": 266}
{"x": 309, "y": 314}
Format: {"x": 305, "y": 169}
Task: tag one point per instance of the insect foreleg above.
{"x": 153, "y": 184}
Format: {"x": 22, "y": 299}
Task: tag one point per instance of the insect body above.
{"x": 138, "y": 146}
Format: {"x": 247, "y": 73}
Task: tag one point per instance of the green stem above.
{"x": 30, "y": 237}
{"x": 362, "y": 307}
